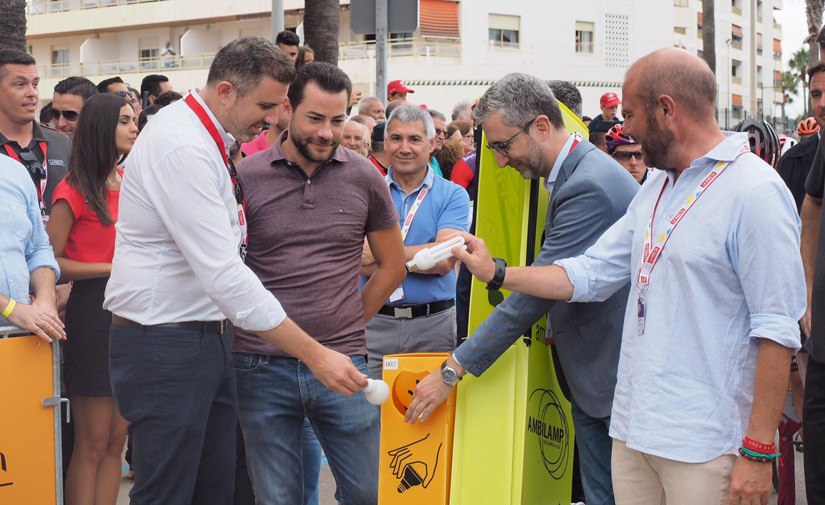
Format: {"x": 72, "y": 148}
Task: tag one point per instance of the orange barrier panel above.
{"x": 415, "y": 462}
{"x": 27, "y": 427}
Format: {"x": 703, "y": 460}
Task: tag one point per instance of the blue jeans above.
{"x": 595, "y": 449}
{"x": 312, "y": 454}
{"x": 276, "y": 394}
{"x": 177, "y": 388}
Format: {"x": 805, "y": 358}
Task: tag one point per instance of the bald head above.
{"x": 686, "y": 78}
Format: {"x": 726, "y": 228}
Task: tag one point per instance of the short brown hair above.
{"x": 245, "y": 61}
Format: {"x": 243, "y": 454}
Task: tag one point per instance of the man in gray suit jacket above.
{"x": 589, "y": 192}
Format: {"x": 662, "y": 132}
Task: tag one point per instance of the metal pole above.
{"x": 381, "y": 47}
{"x": 752, "y": 76}
{"x": 730, "y": 98}
{"x": 277, "y": 18}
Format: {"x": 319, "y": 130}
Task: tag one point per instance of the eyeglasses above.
{"x": 233, "y": 174}
{"x": 626, "y": 155}
{"x": 440, "y": 133}
{"x": 70, "y": 115}
{"x": 469, "y": 136}
{"x": 501, "y": 147}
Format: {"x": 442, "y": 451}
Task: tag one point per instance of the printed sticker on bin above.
{"x": 391, "y": 364}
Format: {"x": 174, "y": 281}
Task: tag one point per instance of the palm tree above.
{"x": 788, "y": 85}
{"x": 13, "y": 24}
{"x": 799, "y": 66}
{"x": 813, "y": 11}
{"x": 709, "y": 34}
{"x": 321, "y": 21}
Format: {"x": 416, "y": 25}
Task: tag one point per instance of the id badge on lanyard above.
{"x": 199, "y": 111}
{"x": 398, "y": 294}
{"x": 653, "y": 251}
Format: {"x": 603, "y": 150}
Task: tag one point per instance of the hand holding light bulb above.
{"x": 426, "y": 259}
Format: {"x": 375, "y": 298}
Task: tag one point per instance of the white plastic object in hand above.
{"x": 426, "y": 259}
{"x": 377, "y": 391}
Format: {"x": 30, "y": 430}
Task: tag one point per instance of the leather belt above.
{"x": 217, "y": 327}
{"x": 413, "y": 311}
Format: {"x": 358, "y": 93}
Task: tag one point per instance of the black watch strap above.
{"x": 498, "y": 276}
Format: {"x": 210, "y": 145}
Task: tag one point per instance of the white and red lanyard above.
{"x": 199, "y": 111}
{"x": 653, "y": 252}
{"x": 398, "y": 294}
{"x": 41, "y": 187}
{"x": 405, "y": 228}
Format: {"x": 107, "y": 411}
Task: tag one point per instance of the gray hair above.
{"x": 436, "y": 115}
{"x": 409, "y": 114}
{"x": 461, "y": 107}
{"x": 519, "y": 98}
{"x": 364, "y": 104}
{"x": 568, "y": 94}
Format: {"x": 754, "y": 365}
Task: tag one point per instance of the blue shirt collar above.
{"x": 428, "y": 179}
{"x": 554, "y": 172}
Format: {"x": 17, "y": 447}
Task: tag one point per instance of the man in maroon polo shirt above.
{"x": 310, "y": 204}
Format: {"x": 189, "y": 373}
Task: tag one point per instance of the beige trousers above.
{"x": 642, "y": 479}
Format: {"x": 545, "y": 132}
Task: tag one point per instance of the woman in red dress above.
{"x": 82, "y": 232}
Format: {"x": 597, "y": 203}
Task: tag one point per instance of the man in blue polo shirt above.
{"x": 420, "y": 314}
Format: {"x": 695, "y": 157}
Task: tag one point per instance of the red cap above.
{"x": 609, "y": 100}
{"x": 398, "y": 87}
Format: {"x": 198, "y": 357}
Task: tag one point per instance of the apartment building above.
{"x": 459, "y": 48}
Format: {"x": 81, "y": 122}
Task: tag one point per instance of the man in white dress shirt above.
{"x": 178, "y": 275}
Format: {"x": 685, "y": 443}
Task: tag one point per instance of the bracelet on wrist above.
{"x": 755, "y": 446}
{"x": 757, "y": 457}
{"x": 9, "y": 308}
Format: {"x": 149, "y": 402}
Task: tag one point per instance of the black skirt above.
{"x": 86, "y": 351}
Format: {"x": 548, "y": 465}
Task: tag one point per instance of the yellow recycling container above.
{"x": 29, "y": 435}
{"x": 415, "y": 462}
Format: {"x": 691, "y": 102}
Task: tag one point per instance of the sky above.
{"x": 794, "y": 30}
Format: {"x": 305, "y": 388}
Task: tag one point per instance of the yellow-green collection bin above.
{"x": 416, "y": 460}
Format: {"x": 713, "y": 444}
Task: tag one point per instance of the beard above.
{"x": 302, "y": 144}
{"x": 656, "y": 144}
{"x": 532, "y": 166}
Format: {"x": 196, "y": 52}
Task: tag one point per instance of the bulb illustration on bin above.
{"x": 415, "y": 463}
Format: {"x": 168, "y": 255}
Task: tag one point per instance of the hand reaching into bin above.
{"x": 415, "y": 463}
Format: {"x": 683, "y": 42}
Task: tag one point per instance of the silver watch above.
{"x": 449, "y": 375}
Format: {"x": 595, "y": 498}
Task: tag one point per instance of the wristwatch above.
{"x": 498, "y": 276}
{"x": 449, "y": 375}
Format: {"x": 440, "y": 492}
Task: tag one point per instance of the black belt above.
{"x": 199, "y": 326}
{"x": 413, "y": 311}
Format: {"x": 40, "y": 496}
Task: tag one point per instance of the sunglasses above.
{"x": 123, "y": 94}
{"x": 626, "y": 155}
{"x": 233, "y": 174}
{"x": 439, "y": 132}
{"x": 70, "y": 115}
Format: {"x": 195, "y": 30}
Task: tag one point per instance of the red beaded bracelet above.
{"x": 754, "y": 446}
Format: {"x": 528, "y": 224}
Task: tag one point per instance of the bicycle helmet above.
{"x": 616, "y": 137}
{"x": 807, "y": 126}
{"x": 785, "y": 144}
{"x": 762, "y": 138}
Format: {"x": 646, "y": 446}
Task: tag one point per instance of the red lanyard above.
{"x": 41, "y": 188}
{"x": 199, "y": 111}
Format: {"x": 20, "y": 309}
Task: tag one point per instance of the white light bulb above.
{"x": 377, "y": 391}
{"x": 426, "y": 259}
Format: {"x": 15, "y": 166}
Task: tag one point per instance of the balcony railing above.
{"x": 439, "y": 48}
{"x": 134, "y": 65}
{"x": 736, "y": 80}
{"x": 35, "y": 7}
